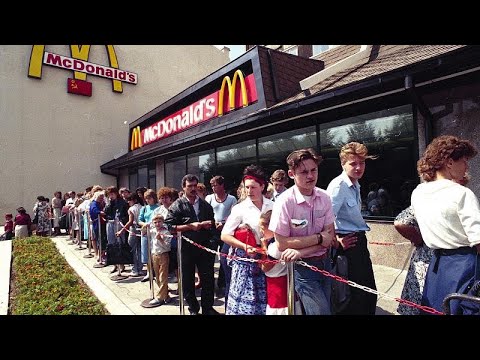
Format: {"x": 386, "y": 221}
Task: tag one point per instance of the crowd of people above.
{"x": 270, "y": 221}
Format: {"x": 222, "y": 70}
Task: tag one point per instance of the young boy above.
{"x": 8, "y": 226}
{"x": 160, "y": 248}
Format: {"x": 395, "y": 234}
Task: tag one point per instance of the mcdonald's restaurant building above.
{"x": 65, "y": 109}
{"x": 266, "y": 103}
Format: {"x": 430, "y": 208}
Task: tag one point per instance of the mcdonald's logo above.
{"x": 231, "y": 86}
{"x": 136, "y": 141}
{"x": 78, "y": 63}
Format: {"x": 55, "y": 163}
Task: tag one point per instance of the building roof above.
{"x": 383, "y": 59}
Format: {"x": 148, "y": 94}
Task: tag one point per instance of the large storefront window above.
{"x": 142, "y": 176}
{"x": 232, "y": 159}
{"x": 274, "y": 149}
{"x": 175, "y": 170}
{"x": 456, "y": 112}
{"x": 389, "y": 180}
{"x": 202, "y": 164}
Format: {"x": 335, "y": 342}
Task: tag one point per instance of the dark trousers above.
{"x": 191, "y": 257}
{"x": 360, "y": 270}
{"x": 227, "y": 271}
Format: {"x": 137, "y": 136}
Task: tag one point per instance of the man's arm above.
{"x": 324, "y": 238}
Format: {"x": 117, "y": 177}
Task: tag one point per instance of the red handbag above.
{"x": 245, "y": 234}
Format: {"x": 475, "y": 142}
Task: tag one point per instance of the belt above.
{"x": 313, "y": 258}
{"x": 355, "y": 232}
{"x": 462, "y": 250}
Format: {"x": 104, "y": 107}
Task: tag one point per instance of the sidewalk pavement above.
{"x": 124, "y": 297}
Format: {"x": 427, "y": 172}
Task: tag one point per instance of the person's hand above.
{"x": 290, "y": 255}
{"x": 196, "y": 226}
{"x": 207, "y": 224}
{"x": 219, "y": 226}
{"x": 348, "y": 241}
{"x": 118, "y": 233}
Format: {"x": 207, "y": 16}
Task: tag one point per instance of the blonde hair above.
{"x": 354, "y": 148}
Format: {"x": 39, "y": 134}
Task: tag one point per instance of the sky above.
{"x": 235, "y": 50}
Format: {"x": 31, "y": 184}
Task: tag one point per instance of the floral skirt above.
{"x": 415, "y": 279}
{"x": 247, "y": 294}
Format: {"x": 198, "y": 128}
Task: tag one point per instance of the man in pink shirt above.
{"x": 303, "y": 223}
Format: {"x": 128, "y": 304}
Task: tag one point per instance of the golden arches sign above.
{"x": 79, "y": 52}
{"x": 136, "y": 141}
{"x": 231, "y": 86}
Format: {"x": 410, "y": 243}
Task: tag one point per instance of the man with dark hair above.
{"x": 279, "y": 180}
{"x": 194, "y": 217}
{"x": 222, "y": 204}
{"x": 303, "y": 218}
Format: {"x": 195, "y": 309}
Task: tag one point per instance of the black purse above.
{"x": 119, "y": 253}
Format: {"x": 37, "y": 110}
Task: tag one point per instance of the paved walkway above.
{"x": 125, "y": 297}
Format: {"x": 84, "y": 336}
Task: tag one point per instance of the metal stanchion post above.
{"x": 290, "y": 288}
{"x": 70, "y": 225}
{"x": 99, "y": 244}
{"x": 146, "y": 303}
{"x": 72, "y": 231}
{"x": 180, "y": 273}
{"x": 119, "y": 275}
{"x": 89, "y": 235}
{"x": 79, "y": 233}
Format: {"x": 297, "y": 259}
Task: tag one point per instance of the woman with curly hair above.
{"x": 448, "y": 215}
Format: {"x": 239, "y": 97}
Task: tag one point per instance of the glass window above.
{"x": 232, "y": 159}
{"x": 389, "y": 180}
{"x": 202, "y": 164}
{"x": 274, "y": 149}
{"x": 152, "y": 177}
{"x": 143, "y": 176}
{"x": 132, "y": 179}
{"x": 175, "y": 170}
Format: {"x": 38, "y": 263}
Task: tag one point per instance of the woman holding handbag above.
{"x": 247, "y": 294}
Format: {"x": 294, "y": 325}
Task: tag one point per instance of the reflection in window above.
{"x": 232, "y": 159}
{"x": 389, "y": 180}
{"x": 175, "y": 170}
{"x": 274, "y": 149}
{"x": 142, "y": 176}
{"x": 202, "y": 164}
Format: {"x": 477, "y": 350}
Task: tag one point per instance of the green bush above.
{"x": 44, "y": 284}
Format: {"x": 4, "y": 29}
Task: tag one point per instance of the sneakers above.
{"x": 155, "y": 302}
{"x": 159, "y": 302}
{"x": 146, "y": 278}
{"x": 134, "y": 274}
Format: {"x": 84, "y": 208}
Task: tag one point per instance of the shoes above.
{"x": 173, "y": 279}
{"x": 115, "y": 268}
{"x": 210, "y": 311}
{"x": 146, "y": 278}
{"x": 134, "y": 274}
{"x": 156, "y": 302}
{"x": 193, "y": 312}
{"x": 168, "y": 300}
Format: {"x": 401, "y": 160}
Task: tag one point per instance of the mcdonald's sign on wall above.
{"x": 235, "y": 92}
{"x": 78, "y": 63}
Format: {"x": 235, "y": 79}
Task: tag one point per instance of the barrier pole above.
{"x": 89, "y": 235}
{"x": 99, "y": 244}
{"x": 79, "y": 233}
{"x": 291, "y": 288}
{"x": 146, "y": 303}
{"x": 180, "y": 273}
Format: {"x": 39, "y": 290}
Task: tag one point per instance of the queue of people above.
{"x": 270, "y": 221}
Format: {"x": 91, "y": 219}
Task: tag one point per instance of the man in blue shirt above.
{"x": 350, "y": 227}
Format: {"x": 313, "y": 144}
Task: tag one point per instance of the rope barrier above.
{"x": 389, "y": 244}
{"x": 427, "y": 309}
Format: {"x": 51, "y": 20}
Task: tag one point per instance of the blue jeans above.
{"x": 135, "y": 244}
{"x": 313, "y": 288}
